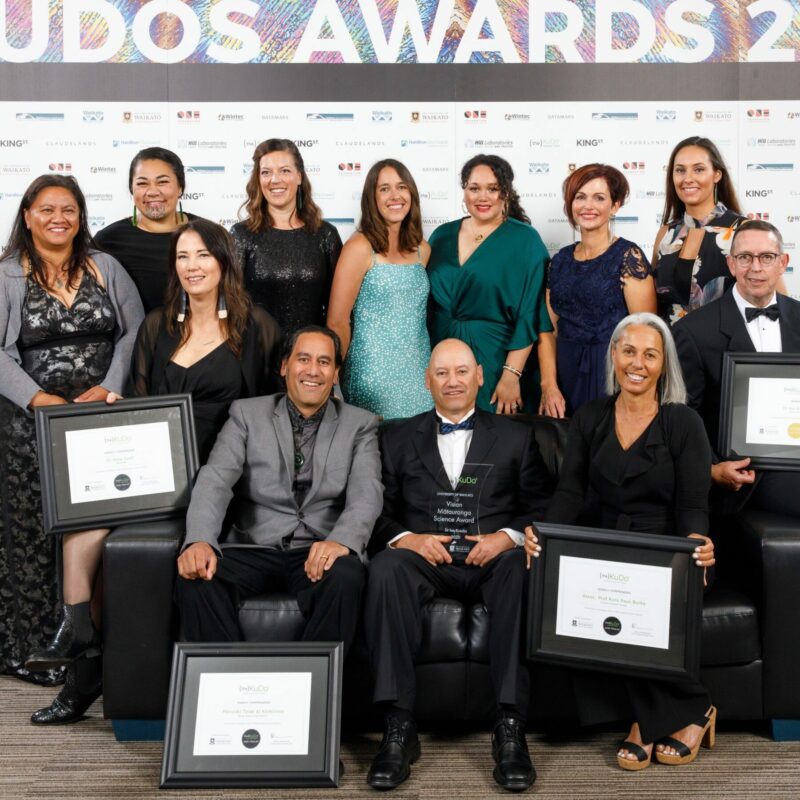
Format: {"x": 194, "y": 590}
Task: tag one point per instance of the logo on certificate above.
{"x": 612, "y": 626}
{"x": 122, "y": 482}
{"x": 251, "y": 738}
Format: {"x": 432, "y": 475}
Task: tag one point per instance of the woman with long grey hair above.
{"x": 644, "y": 456}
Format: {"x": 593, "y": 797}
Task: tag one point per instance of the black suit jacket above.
{"x": 704, "y": 335}
{"x": 515, "y": 491}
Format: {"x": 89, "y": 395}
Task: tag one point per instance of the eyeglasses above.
{"x": 747, "y": 259}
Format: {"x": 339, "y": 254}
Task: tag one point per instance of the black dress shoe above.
{"x": 398, "y": 751}
{"x": 81, "y": 688}
{"x": 513, "y": 770}
{"x": 75, "y": 638}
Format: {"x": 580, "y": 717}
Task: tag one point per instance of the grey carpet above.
{"x": 85, "y": 762}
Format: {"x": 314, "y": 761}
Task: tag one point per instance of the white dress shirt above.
{"x": 453, "y": 449}
{"x": 765, "y": 332}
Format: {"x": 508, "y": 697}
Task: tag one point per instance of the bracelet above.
{"x": 513, "y": 370}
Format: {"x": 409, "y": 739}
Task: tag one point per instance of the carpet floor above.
{"x": 85, "y": 762}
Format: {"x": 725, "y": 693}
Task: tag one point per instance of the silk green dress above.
{"x": 494, "y": 301}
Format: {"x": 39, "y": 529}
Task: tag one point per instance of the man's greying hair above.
{"x": 671, "y": 388}
{"x": 758, "y": 225}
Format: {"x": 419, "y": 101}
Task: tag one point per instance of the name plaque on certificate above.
{"x": 456, "y": 513}
{"x": 253, "y": 714}
{"x": 760, "y": 409}
{"x": 616, "y": 601}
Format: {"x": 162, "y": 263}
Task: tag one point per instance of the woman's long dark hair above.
{"x": 20, "y": 244}
{"x": 220, "y": 244}
{"x": 504, "y": 176}
{"x": 374, "y": 226}
{"x": 674, "y": 207}
{"x": 258, "y": 218}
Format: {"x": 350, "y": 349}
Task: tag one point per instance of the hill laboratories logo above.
{"x": 617, "y": 116}
{"x": 381, "y": 116}
{"x": 320, "y": 116}
{"x": 773, "y": 167}
{"x": 40, "y": 116}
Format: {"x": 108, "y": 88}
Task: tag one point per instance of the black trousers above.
{"x": 331, "y": 606}
{"x": 402, "y": 582}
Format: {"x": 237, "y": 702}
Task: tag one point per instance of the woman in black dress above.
{"x": 288, "y": 251}
{"x": 68, "y": 319}
{"x": 644, "y": 456}
{"x": 157, "y": 181}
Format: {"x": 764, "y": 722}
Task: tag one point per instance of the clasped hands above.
{"x": 431, "y": 547}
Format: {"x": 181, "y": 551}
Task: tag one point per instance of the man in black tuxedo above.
{"x": 449, "y": 473}
{"x": 751, "y": 317}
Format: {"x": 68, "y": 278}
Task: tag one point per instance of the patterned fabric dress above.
{"x": 66, "y": 351}
{"x": 385, "y": 367}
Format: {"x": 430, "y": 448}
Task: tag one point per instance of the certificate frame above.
{"x": 737, "y": 370}
{"x": 182, "y": 768}
{"x": 679, "y": 660}
{"x": 54, "y": 424}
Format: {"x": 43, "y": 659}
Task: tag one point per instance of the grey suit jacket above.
{"x": 253, "y": 460}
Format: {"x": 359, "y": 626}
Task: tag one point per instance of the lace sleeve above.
{"x": 635, "y": 264}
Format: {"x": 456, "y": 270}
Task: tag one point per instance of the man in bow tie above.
{"x": 751, "y": 317}
{"x": 460, "y": 486}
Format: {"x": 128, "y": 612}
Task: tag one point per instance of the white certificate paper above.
{"x": 253, "y": 713}
{"x": 119, "y": 461}
{"x": 773, "y": 411}
{"x": 611, "y": 601}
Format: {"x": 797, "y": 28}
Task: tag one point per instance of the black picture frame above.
{"x": 678, "y": 661}
{"x": 737, "y": 370}
{"x": 319, "y": 767}
{"x": 61, "y": 514}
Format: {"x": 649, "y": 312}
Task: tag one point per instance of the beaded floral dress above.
{"x": 66, "y": 351}
{"x": 384, "y": 371}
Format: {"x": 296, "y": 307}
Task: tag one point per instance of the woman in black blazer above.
{"x": 644, "y": 458}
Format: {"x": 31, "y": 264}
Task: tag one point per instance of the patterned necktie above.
{"x": 772, "y": 312}
{"x": 464, "y": 425}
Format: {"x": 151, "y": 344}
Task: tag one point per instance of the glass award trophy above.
{"x": 456, "y": 512}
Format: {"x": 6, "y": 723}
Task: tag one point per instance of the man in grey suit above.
{"x": 301, "y": 472}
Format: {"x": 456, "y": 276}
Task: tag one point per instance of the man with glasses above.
{"x": 751, "y": 317}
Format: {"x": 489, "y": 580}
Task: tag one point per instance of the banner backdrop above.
{"x": 543, "y": 141}
{"x": 399, "y": 31}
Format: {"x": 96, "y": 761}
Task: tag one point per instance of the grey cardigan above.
{"x": 15, "y": 383}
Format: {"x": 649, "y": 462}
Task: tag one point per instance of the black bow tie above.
{"x": 772, "y": 312}
{"x": 449, "y": 427}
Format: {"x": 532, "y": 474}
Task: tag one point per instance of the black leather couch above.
{"x": 750, "y": 642}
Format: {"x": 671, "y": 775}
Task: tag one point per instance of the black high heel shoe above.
{"x": 685, "y": 754}
{"x": 75, "y": 638}
{"x": 82, "y": 687}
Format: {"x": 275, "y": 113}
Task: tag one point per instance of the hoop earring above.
{"x": 182, "y": 309}
{"x": 299, "y": 199}
{"x": 134, "y": 219}
{"x": 222, "y": 308}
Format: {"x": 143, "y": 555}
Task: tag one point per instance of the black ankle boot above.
{"x": 76, "y": 637}
{"x": 82, "y": 687}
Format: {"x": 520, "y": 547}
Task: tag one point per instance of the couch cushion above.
{"x": 271, "y": 618}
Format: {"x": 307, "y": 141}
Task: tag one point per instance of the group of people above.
{"x": 259, "y": 324}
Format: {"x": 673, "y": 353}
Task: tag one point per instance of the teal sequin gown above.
{"x": 384, "y": 371}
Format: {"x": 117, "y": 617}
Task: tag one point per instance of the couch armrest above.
{"x": 773, "y": 542}
{"x": 139, "y": 618}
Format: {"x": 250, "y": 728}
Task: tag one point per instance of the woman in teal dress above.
{"x": 379, "y": 298}
{"x": 487, "y": 274}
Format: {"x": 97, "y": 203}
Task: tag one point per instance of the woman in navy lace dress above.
{"x": 591, "y": 286}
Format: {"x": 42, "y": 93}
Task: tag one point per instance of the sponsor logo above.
{"x": 228, "y": 222}
{"x": 612, "y": 626}
{"x": 40, "y": 116}
{"x": 758, "y": 192}
{"x": 96, "y": 222}
{"x": 572, "y": 167}
{"x": 71, "y": 143}
{"x": 381, "y": 116}
{"x": 489, "y": 143}
{"x": 435, "y": 220}
{"x": 626, "y": 220}
{"x": 229, "y": 195}
{"x": 666, "y": 115}
{"x": 13, "y": 142}
{"x": 763, "y": 142}
{"x": 103, "y": 170}
{"x": 135, "y": 143}
{"x": 440, "y": 195}
{"x": 475, "y": 115}
{"x": 588, "y": 142}
{"x": 626, "y": 116}
{"x": 349, "y": 166}
{"x": 92, "y": 116}
{"x": 713, "y": 116}
{"x": 230, "y": 117}
{"x": 341, "y": 220}
{"x": 793, "y": 218}
{"x": 650, "y": 194}
{"x": 633, "y": 166}
{"x": 307, "y": 143}
{"x": 424, "y": 143}
{"x": 61, "y": 167}
{"x": 360, "y": 143}
{"x": 193, "y": 195}
{"x": 517, "y": 117}
{"x": 762, "y": 215}
{"x": 313, "y": 169}
{"x": 203, "y": 144}
{"x": 544, "y": 142}
{"x": 758, "y": 113}
{"x": 436, "y": 169}
{"x": 771, "y": 167}
{"x": 142, "y": 116}
{"x": 10, "y": 195}
{"x": 188, "y": 116}
{"x": 318, "y": 116}
{"x": 560, "y": 116}
{"x": 430, "y": 116}
{"x": 793, "y": 115}
{"x": 205, "y": 169}
{"x": 538, "y": 168}
{"x": 15, "y": 169}
{"x": 645, "y": 142}
{"x": 539, "y": 195}
{"x": 557, "y": 220}
{"x": 276, "y": 117}
{"x": 100, "y": 197}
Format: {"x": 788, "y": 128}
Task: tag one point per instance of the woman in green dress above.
{"x": 487, "y": 274}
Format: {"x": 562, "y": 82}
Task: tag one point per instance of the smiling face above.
{"x": 156, "y": 190}
{"x": 453, "y": 378}
{"x": 198, "y": 271}
{"x": 279, "y": 179}
{"x": 694, "y": 177}
{"x": 638, "y": 359}
{"x": 53, "y": 219}
{"x": 310, "y": 372}
{"x": 757, "y": 283}
{"x": 592, "y": 206}
{"x": 392, "y": 196}
{"x": 482, "y": 196}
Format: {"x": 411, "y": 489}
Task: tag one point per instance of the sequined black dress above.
{"x": 289, "y": 273}
{"x": 66, "y": 351}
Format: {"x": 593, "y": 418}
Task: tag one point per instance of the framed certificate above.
{"x": 253, "y": 714}
{"x": 103, "y": 465}
{"x": 616, "y": 601}
{"x": 760, "y": 409}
